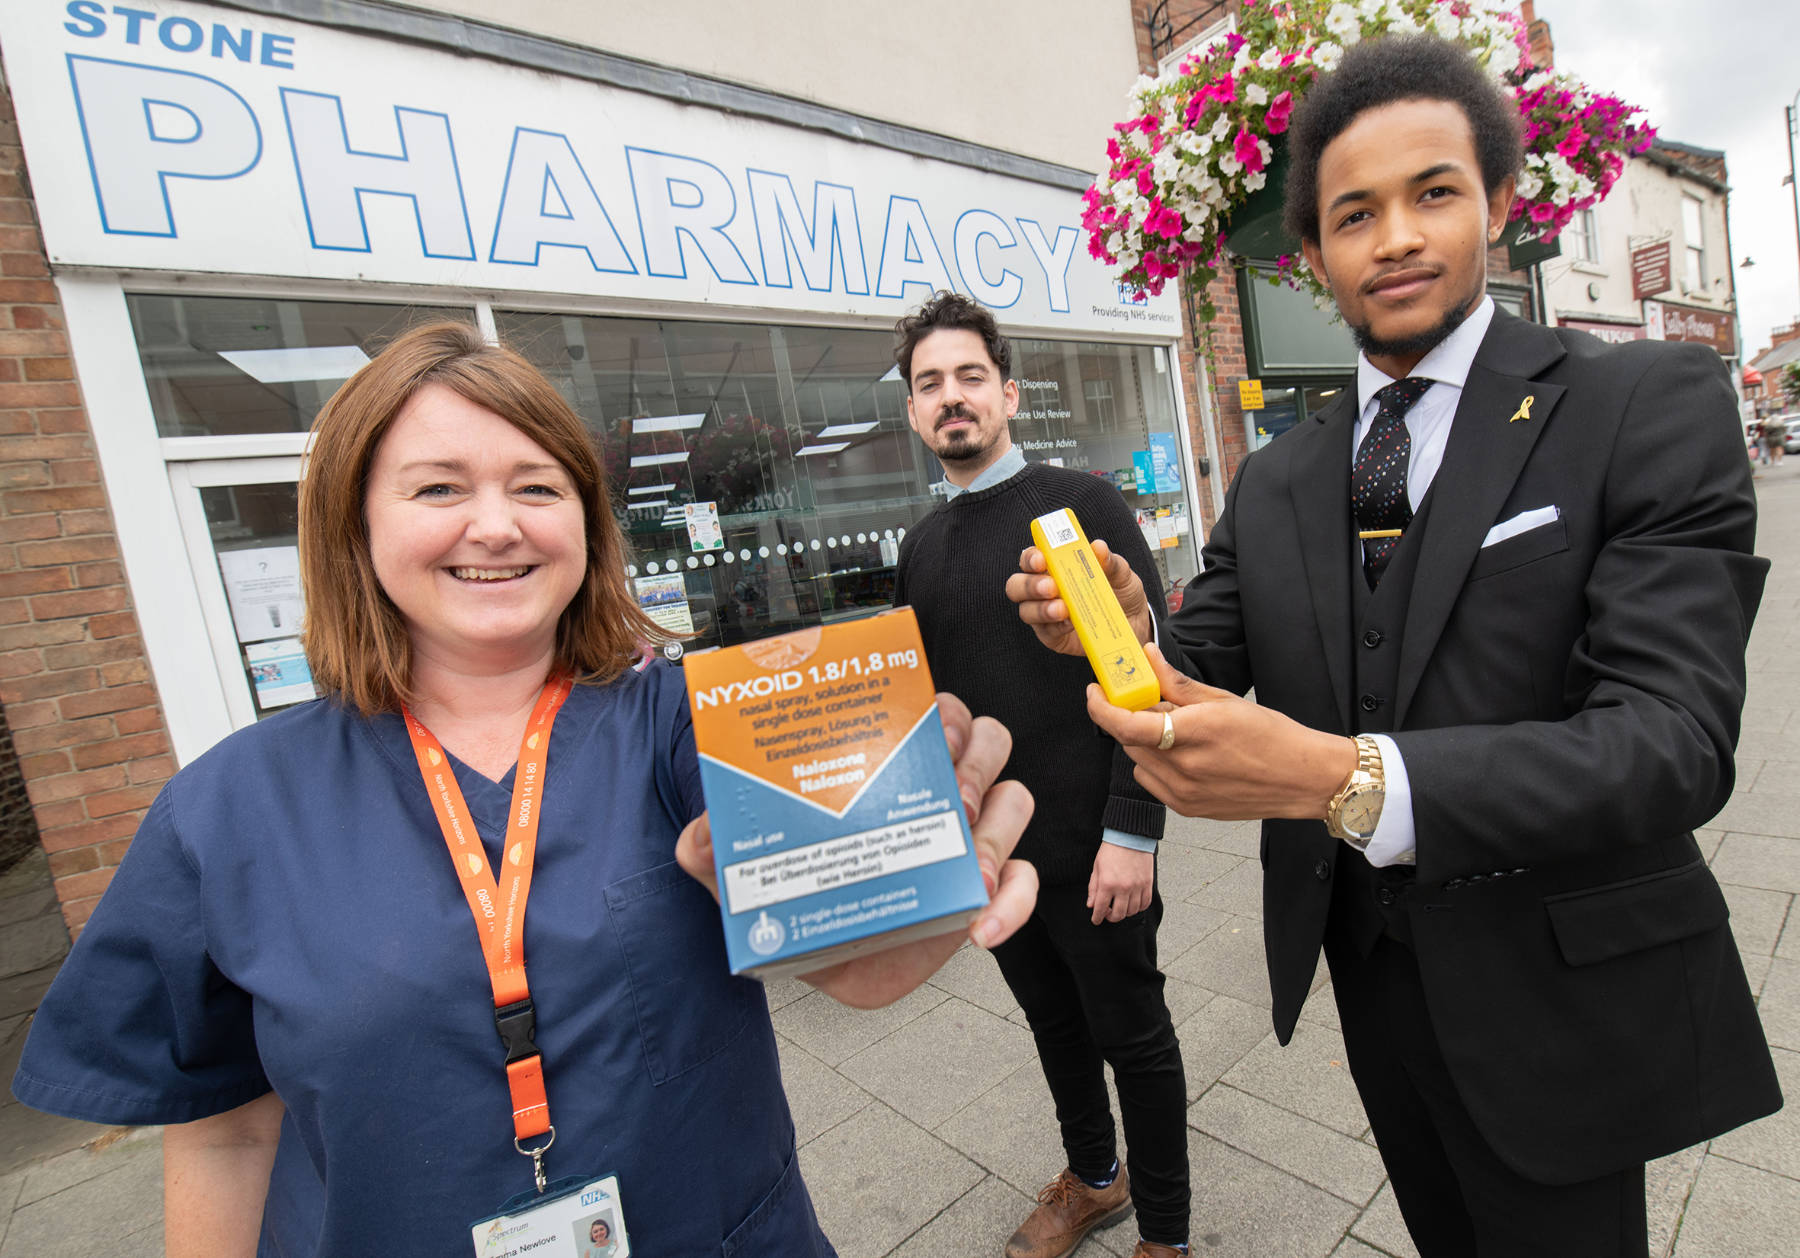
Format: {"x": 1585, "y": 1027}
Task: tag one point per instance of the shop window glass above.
{"x": 766, "y": 475}
{"x": 218, "y": 366}
{"x": 1110, "y": 410}
{"x": 1280, "y": 412}
{"x": 1287, "y": 332}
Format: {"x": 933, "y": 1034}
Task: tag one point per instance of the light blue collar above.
{"x": 1001, "y": 469}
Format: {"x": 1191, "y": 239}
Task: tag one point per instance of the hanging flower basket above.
{"x": 1196, "y": 172}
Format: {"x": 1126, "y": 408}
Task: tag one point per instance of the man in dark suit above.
{"x": 1493, "y": 603}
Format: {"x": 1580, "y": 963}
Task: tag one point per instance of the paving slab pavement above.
{"x": 926, "y": 1128}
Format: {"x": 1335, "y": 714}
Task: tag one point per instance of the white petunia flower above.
{"x": 1344, "y": 23}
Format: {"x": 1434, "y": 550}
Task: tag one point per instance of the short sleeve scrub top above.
{"x": 288, "y": 917}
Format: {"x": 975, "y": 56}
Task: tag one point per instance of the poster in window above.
{"x": 279, "y": 671}
{"x": 703, "y": 525}
{"x": 263, "y": 586}
{"x": 664, "y": 599}
{"x": 1165, "y": 462}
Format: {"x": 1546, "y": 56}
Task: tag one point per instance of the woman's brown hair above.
{"x": 355, "y": 639}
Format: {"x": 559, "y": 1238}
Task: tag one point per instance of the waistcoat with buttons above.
{"x": 1368, "y": 902}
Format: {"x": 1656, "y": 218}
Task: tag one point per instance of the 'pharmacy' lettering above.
{"x": 220, "y": 140}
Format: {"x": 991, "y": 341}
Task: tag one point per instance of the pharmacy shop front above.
{"x": 238, "y": 210}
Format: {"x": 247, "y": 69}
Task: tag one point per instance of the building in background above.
{"x": 1763, "y": 375}
{"x": 211, "y": 214}
{"x": 1653, "y": 259}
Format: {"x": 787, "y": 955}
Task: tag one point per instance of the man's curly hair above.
{"x": 1386, "y": 71}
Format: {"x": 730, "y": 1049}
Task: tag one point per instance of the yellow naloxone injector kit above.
{"x": 1119, "y": 663}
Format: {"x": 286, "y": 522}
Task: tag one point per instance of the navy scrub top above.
{"x": 288, "y": 917}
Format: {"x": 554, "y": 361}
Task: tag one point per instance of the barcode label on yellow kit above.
{"x": 1060, "y": 528}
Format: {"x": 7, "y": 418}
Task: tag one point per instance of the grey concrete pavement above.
{"x": 926, "y": 1128}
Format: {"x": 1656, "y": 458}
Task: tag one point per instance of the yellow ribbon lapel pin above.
{"x": 1524, "y": 411}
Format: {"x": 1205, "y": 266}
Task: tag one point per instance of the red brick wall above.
{"x": 74, "y": 680}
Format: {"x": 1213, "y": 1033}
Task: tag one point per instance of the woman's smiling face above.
{"x": 475, "y": 531}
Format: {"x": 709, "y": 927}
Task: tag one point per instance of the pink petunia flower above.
{"x": 1247, "y": 150}
{"x": 1276, "y": 119}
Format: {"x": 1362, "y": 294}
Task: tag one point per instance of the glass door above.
{"x": 239, "y": 520}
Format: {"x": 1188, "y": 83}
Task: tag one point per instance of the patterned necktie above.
{"x": 1378, "y": 478}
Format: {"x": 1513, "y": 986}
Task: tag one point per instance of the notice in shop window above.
{"x": 664, "y": 599}
{"x": 703, "y": 526}
{"x": 1165, "y": 463}
{"x": 1146, "y": 522}
{"x": 280, "y": 673}
{"x": 263, "y": 587}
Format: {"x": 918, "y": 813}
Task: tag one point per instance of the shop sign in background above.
{"x": 207, "y": 139}
{"x": 1666, "y": 321}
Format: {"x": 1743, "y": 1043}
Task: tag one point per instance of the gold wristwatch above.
{"x": 1355, "y": 810}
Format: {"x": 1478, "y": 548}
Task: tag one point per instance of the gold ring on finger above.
{"x": 1168, "y": 735}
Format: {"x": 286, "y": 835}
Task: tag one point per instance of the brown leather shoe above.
{"x": 1150, "y": 1249}
{"x": 1067, "y": 1211}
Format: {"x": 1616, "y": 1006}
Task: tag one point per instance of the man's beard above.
{"x": 960, "y": 447}
{"x": 1419, "y": 343}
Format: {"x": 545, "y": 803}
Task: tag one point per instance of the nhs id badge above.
{"x": 575, "y": 1219}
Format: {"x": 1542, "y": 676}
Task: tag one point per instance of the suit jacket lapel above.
{"x": 1489, "y": 443}
{"x": 1321, "y": 494}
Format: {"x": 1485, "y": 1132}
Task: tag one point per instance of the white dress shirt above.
{"x": 1428, "y": 422}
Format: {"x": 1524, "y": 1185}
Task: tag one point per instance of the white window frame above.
{"x": 1586, "y": 237}
{"x": 1694, "y": 255}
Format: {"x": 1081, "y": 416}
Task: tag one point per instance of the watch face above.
{"x": 1360, "y": 812}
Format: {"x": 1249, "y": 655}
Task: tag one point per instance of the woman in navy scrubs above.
{"x": 286, "y": 970}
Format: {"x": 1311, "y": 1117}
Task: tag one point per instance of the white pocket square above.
{"x": 1523, "y": 522}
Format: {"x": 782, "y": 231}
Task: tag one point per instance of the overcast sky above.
{"x": 1717, "y": 74}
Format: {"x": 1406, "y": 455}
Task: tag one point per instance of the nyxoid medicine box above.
{"x": 836, "y": 823}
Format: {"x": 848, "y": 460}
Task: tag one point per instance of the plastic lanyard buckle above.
{"x": 517, "y": 1024}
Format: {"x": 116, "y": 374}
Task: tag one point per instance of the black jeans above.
{"x": 1093, "y": 995}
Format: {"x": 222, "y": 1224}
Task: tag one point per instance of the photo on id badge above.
{"x": 594, "y": 1237}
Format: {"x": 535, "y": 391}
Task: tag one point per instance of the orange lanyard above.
{"x": 500, "y": 911}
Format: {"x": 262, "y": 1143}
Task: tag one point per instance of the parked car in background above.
{"x": 1792, "y": 442}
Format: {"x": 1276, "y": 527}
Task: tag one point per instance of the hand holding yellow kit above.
{"x": 1119, "y": 663}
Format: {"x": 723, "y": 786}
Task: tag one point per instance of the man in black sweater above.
{"x": 1084, "y": 967}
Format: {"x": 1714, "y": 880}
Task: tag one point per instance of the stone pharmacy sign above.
{"x": 206, "y": 139}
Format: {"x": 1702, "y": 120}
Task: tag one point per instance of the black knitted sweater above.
{"x": 953, "y": 569}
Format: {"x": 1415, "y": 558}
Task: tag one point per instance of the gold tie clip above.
{"x": 1367, "y": 534}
